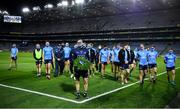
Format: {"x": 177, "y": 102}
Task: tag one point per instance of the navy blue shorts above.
{"x": 66, "y": 59}
{"x": 124, "y": 66}
{"x": 14, "y": 58}
{"x": 152, "y": 65}
{"x": 81, "y": 73}
{"x": 104, "y": 63}
{"x": 47, "y": 61}
{"x": 143, "y": 67}
{"x": 117, "y": 63}
{"x": 170, "y": 68}
{"x": 38, "y": 62}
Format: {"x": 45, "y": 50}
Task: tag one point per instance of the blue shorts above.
{"x": 143, "y": 67}
{"x": 170, "y": 68}
{"x": 48, "y": 61}
{"x": 152, "y": 65}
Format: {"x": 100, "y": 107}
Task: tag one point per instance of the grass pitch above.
{"x": 150, "y": 95}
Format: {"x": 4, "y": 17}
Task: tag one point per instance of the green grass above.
{"x": 150, "y": 95}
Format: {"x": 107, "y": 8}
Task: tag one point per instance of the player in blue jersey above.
{"x": 152, "y": 64}
{"x": 104, "y": 59}
{"x": 13, "y": 57}
{"x": 80, "y": 58}
{"x": 67, "y": 51}
{"x": 116, "y": 62}
{"x": 143, "y": 63}
{"x": 48, "y": 58}
{"x": 170, "y": 60}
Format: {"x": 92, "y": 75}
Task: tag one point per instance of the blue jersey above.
{"x": 67, "y": 51}
{"x": 104, "y": 54}
{"x": 143, "y": 57}
{"x": 170, "y": 60}
{"x": 116, "y": 53}
{"x": 14, "y": 52}
{"x": 152, "y": 56}
{"x": 48, "y": 53}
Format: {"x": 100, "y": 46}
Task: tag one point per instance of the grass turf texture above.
{"x": 150, "y": 95}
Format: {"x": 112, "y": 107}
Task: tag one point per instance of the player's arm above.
{"x": 165, "y": 59}
{"x": 108, "y": 58}
{"x": 99, "y": 57}
{"x": 43, "y": 56}
{"x": 53, "y": 56}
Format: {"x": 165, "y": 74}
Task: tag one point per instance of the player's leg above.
{"x": 123, "y": 76}
{"x": 62, "y": 67}
{"x": 77, "y": 84}
{"x": 141, "y": 75}
{"x": 85, "y": 78}
{"x": 173, "y": 77}
{"x": 10, "y": 64}
{"x": 155, "y": 73}
{"x": 56, "y": 68}
{"x": 15, "y": 62}
{"x": 71, "y": 69}
{"x": 49, "y": 70}
{"x": 103, "y": 70}
{"x": 127, "y": 73}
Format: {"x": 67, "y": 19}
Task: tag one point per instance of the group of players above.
{"x": 121, "y": 58}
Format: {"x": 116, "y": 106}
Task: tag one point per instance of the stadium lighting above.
{"x": 5, "y": 12}
{"x": 79, "y": 1}
{"x": 25, "y": 10}
{"x": 36, "y": 8}
{"x": 48, "y": 6}
{"x": 59, "y": 4}
{"x": 64, "y": 3}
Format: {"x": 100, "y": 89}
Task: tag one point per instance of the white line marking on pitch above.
{"x": 74, "y": 101}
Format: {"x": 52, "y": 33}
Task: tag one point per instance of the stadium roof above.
{"x": 90, "y": 8}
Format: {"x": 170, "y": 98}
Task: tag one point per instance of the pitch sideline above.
{"x": 74, "y": 101}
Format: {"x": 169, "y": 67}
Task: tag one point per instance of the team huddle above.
{"x": 83, "y": 60}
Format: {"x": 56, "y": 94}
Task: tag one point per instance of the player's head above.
{"x": 59, "y": 46}
{"x": 105, "y": 46}
{"x": 47, "y": 44}
{"x": 171, "y": 50}
{"x": 67, "y": 44}
{"x": 128, "y": 47}
{"x": 62, "y": 44}
{"x": 75, "y": 46}
{"x": 152, "y": 48}
{"x": 118, "y": 46}
{"x": 142, "y": 46}
{"x": 80, "y": 43}
{"x": 13, "y": 45}
{"x": 38, "y": 46}
{"x": 89, "y": 46}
